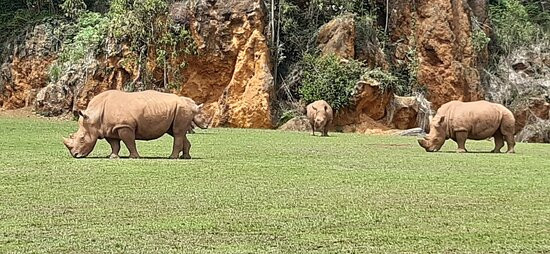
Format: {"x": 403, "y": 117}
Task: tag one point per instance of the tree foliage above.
{"x": 330, "y": 79}
{"x": 518, "y": 23}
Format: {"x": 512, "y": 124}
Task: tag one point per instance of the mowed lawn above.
{"x": 262, "y": 191}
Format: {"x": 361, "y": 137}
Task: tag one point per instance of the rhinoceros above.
{"x": 470, "y": 120}
{"x": 115, "y": 115}
{"x": 319, "y": 114}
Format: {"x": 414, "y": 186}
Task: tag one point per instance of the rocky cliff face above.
{"x": 25, "y": 69}
{"x": 231, "y": 73}
{"x": 522, "y": 82}
{"x": 439, "y": 35}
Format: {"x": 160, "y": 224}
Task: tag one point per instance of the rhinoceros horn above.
{"x": 422, "y": 141}
{"x": 67, "y": 141}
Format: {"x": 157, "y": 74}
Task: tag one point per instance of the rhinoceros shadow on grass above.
{"x": 143, "y": 157}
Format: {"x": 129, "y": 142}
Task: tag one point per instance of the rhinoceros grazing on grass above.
{"x": 470, "y": 120}
{"x": 115, "y": 115}
{"x": 319, "y": 114}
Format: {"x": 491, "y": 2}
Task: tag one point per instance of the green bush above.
{"x": 134, "y": 20}
{"x": 328, "y": 78}
{"x": 301, "y": 20}
{"x": 480, "y": 40}
{"x": 54, "y": 72}
{"x": 388, "y": 82}
{"x": 90, "y": 31}
{"x": 513, "y": 25}
{"x": 84, "y": 37}
{"x": 73, "y": 8}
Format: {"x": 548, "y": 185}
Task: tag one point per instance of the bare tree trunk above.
{"x": 165, "y": 78}
{"x": 272, "y": 22}
{"x": 276, "y": 60}
{"x": 387, "y": 16}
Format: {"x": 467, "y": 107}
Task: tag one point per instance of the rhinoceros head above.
{"x": 321, "y": 117}
{"x": 436, "y": 138}
{"x": 81, "y": 143}
{"x": 201, "y": 119}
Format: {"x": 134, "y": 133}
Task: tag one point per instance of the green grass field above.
{"x": 258, "y": 191}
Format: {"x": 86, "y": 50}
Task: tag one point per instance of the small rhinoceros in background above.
{"x": 470, "y": 120}
{"x": 319, "y": 114}
{"x": 115, "y": 115}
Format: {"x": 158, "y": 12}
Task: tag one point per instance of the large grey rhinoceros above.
{"x": 470, "y": 120}
{"x": 115, "y": 115}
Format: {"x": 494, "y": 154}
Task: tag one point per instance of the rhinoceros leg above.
{"x": 177, "y": 147}
{"x": 186, "y": 148}
{"x": 115, "y": 147}
{"x": 128, "y": 136}
{"x": 511, "y": 143}
{"x": 325, "y": 131}
{"x": 461, "y": 137}
{"x": 499, "y": 142}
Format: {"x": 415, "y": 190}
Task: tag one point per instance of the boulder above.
{"x": 299, "y": 123}
{"x": 367, "y": 107}
{"x": 338, "y": 37}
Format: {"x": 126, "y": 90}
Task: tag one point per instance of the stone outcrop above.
{"x": 26, "y": 65}
{"x": 408, "y": 112}
{"x": 232, "y": 72}
{"x": 368, "y": 105}
{"x": 438, "y": 33}
{"x": 338, "y": 37}
{"x": 80, "y": 82}
{"x": 523, "y": 83}
{"x": 299, "y": 123}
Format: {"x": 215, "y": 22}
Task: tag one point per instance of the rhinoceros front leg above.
{"x": 325, "y": 131}
{"x": 115, "y": 147}
{"x": 186, "y": 148}
{"x": 177, "y": 147}
{"x": 128, "y": 136}
{"x": 461, "y": 141}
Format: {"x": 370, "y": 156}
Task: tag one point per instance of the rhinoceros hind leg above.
{"x": 128, "y": 136}
{"x": 461, "y": 141}
{"x": 186, "y": 148}
{"x": 499, "y": 142}
{"x": 115, "y": 147}
{"x": 511, "y": 143}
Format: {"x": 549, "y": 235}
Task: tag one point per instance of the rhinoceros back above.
{"x": 481, "y": 119}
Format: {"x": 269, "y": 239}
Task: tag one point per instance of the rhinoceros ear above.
{"x": 83, "y": 115}
{"x": 441, "y": 119}
{"x": 200, "y": 106}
